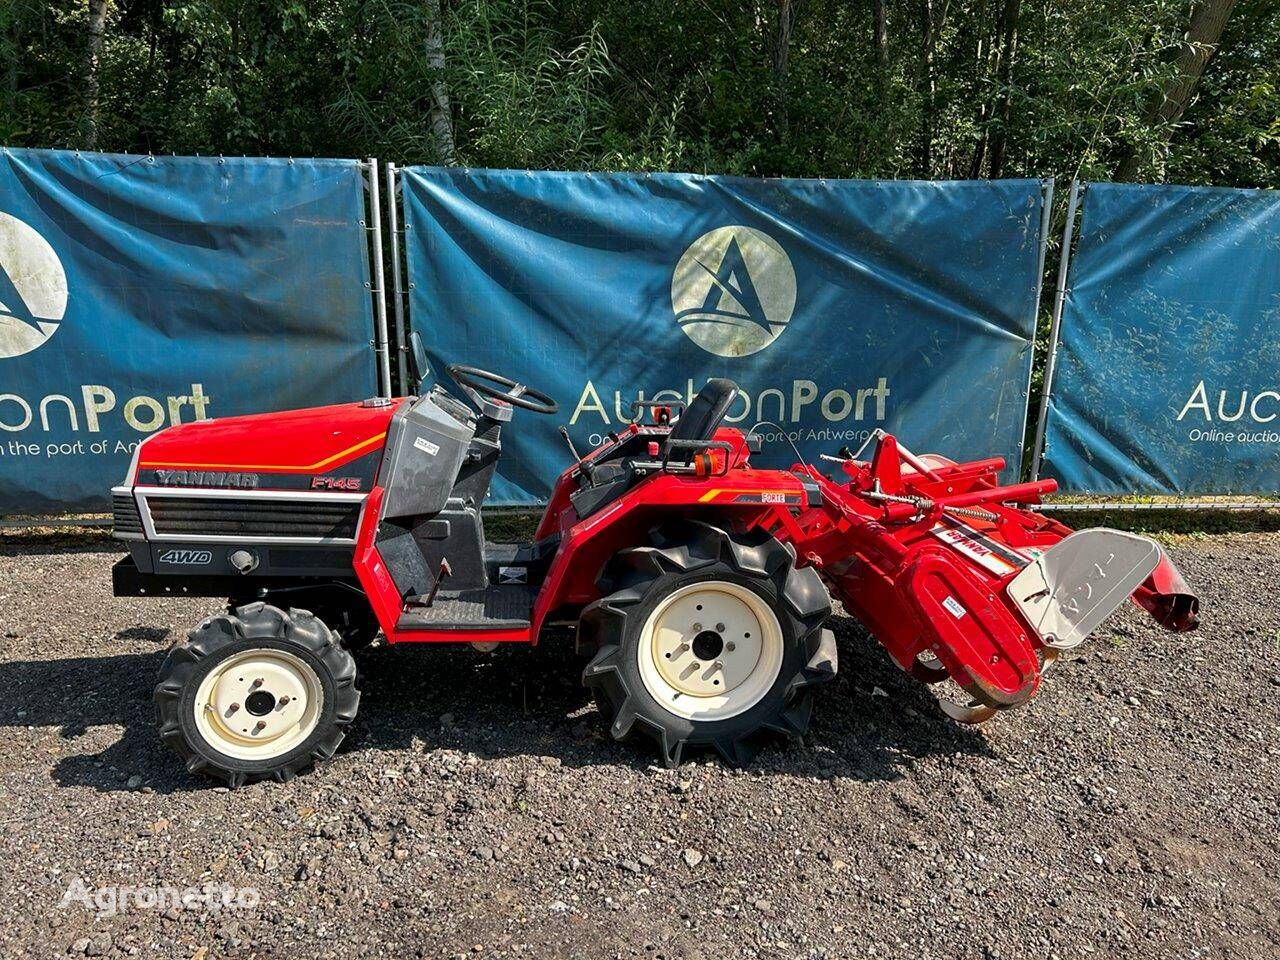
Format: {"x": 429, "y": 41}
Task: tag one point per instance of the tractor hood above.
{"x": 319, "y": 448}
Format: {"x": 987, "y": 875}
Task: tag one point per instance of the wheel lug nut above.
{"x": 719, "y": 628}
{"x": 696, "y": 628}
{"x": 283, "y": 701}
{"x": 261, "y": 725}
{"x": 256, "y": 684}
{"x": 232, "y": 709}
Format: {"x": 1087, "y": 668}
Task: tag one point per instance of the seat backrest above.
{"x": 704, "y": 415}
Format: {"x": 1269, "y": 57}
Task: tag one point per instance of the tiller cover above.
{"x": 956, "y": 578}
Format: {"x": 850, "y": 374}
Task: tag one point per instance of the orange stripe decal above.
{"x": 318, "y": 465}
{"x": 712, "y": 494}
{"x": 756, "y": 491}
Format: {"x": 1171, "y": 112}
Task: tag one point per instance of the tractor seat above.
{"x": 609, "y": 480}
{"x": 703, "y": 417}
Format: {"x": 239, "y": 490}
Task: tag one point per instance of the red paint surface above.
{"x": 315, "y": 440}
{"x": 915, "y": 592}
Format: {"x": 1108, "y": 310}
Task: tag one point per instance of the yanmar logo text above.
{"x": 206, "y": 478}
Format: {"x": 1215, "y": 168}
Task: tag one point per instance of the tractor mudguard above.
{"x": 971, "y": 631}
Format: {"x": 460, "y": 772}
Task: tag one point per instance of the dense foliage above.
{"x": 850, "y": 88}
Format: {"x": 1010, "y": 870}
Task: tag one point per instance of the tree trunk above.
{"x": 439, "y": 112}
{"x": 1208, "y": 18}
{"x": 993, "y": 117}
{"x": 11, "y": 69}
{"x": 1008, "y": 53}
{"x": 97, "y": 27}
{"x": 983, "y": 68}
{"x": 933, "y": 14}
{"x": 882, "y": 39}
{"x": 782, "y": 57}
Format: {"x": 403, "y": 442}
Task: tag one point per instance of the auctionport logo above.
{"x": 733, "y": 291}
{"x": 33, "y": 288}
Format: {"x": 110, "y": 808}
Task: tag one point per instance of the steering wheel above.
{"x": 516, "y": 394}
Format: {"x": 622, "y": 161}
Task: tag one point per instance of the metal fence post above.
{"x": 1046, "y": 197}
{"x": 1060, "y": 297}
{"x": 397, "y": 286}
{"x": 379, "y": 281}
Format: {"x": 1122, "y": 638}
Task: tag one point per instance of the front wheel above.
{"x": 708, "y": 639}
{"x": 260, "y": 693}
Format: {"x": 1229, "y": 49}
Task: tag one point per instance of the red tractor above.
{"x": 699, "y": 585}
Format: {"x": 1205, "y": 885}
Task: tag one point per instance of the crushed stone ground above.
{"x": 477, "y": 810}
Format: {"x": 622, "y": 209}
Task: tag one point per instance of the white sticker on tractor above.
{"x": 426, "y": 446}
{"x": 513, "y": 574}
{"x": 953, "y": 607}
{"x": 974, "y": 550}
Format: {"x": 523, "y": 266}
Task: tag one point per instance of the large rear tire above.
{"x": 708, "y": 639}
{"x": 255, "y": 694}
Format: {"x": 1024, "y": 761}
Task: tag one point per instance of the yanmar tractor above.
{"x": 698, "y": 584}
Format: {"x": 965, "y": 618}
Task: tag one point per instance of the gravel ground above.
{"x": 476, "y": 811}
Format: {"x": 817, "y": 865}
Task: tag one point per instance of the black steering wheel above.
{"x": 516, "y": 394}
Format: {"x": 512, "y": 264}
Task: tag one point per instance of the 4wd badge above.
{"x": 187, "y": 558}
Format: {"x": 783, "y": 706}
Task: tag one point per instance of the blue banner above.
{"x": 837, "y": 306}
{"x": 1168, "y": 372}
{"x": 139, "y": 292}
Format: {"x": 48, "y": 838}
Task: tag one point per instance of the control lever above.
{"x": 444, "y": 571}
{"x": 564, "y": 432}
{"x": 573, "y": 452}
{"x": 421, "y": 601}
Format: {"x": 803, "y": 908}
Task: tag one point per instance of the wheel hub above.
{"x": 258, "y": 704}
{"x": 710, "y": 650}
{"x": 707, "y": 645}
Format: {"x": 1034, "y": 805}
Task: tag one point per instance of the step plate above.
{"x": 505, "y": 607}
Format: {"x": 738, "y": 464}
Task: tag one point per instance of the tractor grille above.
{"x": 312, "y": 518}
{"x": 125, "y": 521}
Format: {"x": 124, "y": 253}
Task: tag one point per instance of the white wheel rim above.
{"x": 710, "y": 651}
{"x": 258, "y": 704}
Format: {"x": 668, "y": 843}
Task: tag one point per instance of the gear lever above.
{"x": 573, "y": 451}
{"x": 564, "y": 432}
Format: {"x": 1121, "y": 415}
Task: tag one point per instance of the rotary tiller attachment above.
{"x": 957, "y": 580}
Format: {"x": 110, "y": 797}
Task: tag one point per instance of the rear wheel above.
{"x": 260, "y": 693}
{"x": 708, "y": 639}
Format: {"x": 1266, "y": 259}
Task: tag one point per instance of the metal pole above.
{"x": 379, "y": 281}
{"x": 1234, "y": 505}
{"x": 397, "y": 287}
{"x": 1046, "y": 187}
{"x": 1060, "y": 297}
